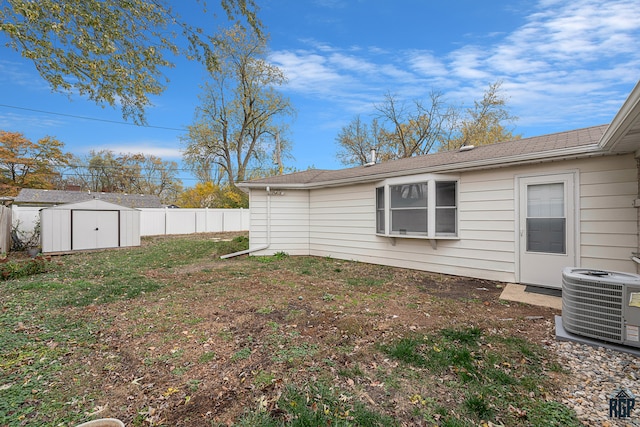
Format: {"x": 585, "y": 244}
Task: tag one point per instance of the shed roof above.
{"x": 93, "y": 205}
{"x": 35, "y": 197}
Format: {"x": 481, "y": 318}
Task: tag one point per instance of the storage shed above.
{"x": 94, "y": 224}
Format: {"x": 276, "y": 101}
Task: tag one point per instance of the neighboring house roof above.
{"x": 621, "y": 136}
{"x": 92, "y": 205}
{"x": 34, "y": 197}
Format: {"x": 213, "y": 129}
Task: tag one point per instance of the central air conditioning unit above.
{"x": 604, "y": 305}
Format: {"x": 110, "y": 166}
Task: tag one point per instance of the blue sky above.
{"x": 564, "y": 65}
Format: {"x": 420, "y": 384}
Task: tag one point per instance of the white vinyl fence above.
{"x": 24, "y": 220}
{"x": 157, "y": 221}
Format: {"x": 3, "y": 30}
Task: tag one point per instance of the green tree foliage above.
{"x": 401, "y": 129}
{"x": 111, "y": 51}
{"x": 129, "y": 173}
{"x": 236, "y": 125}
{"x": 485, "y": 123}
{"x": 27, "y": 164}
{"x": 210, "y": 195}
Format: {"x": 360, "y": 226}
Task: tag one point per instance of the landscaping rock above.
{"x": 595, "y": 374}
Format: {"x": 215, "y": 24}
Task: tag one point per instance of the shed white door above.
{"x": 547, "y": 234}
{"x": 94, "y": 229}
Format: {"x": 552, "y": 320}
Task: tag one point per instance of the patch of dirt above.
{"x": 227, "y": 336}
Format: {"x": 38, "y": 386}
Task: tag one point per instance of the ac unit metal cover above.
{"x": 592, "y": 302}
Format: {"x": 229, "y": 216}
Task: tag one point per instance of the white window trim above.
{"x": 430, "y": 179}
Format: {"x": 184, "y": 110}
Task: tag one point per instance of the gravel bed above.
{"x": 595, "y": 374}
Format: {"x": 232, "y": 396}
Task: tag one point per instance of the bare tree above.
{"x": 411, "y": 130}
{"x": 400, "y": 129}
{"x": 240, "y": 111}
{"x": 356, "y": 141}
{"x": 128, "y": 173}
{"x": 404, "y": 129}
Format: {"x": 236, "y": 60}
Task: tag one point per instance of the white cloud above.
{"x": 351, "y": 63}
{"x": 13, "y": 122}
{"x": 469, "y": 63}
{"x": 331, "y": 4}
{"x": 161, "y": 149}
{"x": 426, "y": 63}
{"x": 581, "y": 31}
{"x": 14, "y": 73}
{"x": 568, "y": 61}
{"x": 564, "y": 64}
{"x": 306, "y": 71}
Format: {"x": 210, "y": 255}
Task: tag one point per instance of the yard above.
{"x": 169, "y": 334}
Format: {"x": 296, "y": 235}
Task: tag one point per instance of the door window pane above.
{"x": 545, "y": 200}
{"x": 546, "y": 222}
{"x": 546, "y": 235}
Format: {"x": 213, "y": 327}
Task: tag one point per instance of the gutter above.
{"x": 262, "y": 247}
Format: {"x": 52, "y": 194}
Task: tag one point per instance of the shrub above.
{"x": 16, "y": 269}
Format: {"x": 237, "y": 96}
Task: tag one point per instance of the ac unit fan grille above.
{"x": 592, "y": 309}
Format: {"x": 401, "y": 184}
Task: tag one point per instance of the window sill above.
{"x": 432, "y": 239}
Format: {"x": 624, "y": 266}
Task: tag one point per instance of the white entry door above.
{"x": 94, "y": 229}
{"x": 547, "y": 228}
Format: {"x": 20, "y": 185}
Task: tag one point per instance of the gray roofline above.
{"x": 628, "y": 114}
{"x": 520, "y": 159}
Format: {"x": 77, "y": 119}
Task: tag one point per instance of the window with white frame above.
{"x": 427, "y": 208}
{"x": 380, "y": 210}
{"x": 446, "y": 208}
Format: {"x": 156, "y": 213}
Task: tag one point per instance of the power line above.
{"x": 95, "y": 119}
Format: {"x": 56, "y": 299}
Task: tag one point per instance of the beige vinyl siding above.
{"x": 486, "y": 222}
{"x": 343, "y": 226}
{"x": 340, "y": 221}
{"x": 608, "y": 219}
{"x": 289, "y": 222}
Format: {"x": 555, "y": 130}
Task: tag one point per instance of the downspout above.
{"x": 259, "y": 248}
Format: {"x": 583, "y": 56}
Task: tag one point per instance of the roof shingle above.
{"x": 545, "y": 146}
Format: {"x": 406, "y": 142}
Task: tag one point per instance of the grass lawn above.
{"x": 168, "y": 334}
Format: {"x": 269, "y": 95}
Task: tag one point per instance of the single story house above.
{"x": 48, "y": 198}
{"x": 515, "y": 211}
